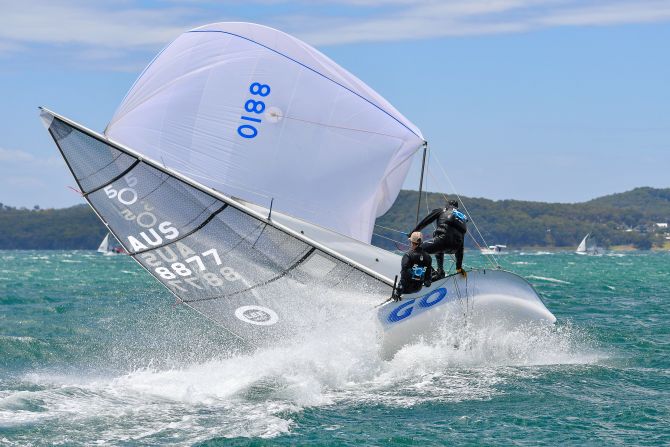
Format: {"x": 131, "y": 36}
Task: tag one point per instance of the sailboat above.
{"x": 494, "y": 250}
{"x": 588, "y": 246}
{"x": 244, "y": 170}
{"x": 109, "y": 246}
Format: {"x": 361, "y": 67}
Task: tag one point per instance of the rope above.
{"x": 491, "y": 258}
{"x": 76, "y": 190}
{"x": 316, "y": 123}
{"x": 389, "y": 239}
{"x": 390, "y": 229}
{"x": 476, "y": 242}
{"x": 453, "y": 188}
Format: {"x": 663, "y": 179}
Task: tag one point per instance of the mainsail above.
{"x": 248, "y": 273}
{"x": 262, "y": 116}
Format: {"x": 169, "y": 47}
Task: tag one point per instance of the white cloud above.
{"x": 611, "y": 14}
{"x": 94, "y": 24}
{"x": 111, "y": 30}
{"x": 25, "y": 181}
{"x": 9, "y": 156}
{"x": 435, "y": 19}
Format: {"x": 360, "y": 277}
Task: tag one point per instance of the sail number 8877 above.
{"x": 253, "y": 106}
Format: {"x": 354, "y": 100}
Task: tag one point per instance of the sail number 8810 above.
{"x": 253, "y": 106}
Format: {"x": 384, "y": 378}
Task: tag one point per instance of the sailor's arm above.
{"x": 404, "y": 263}
{"x": 427, "y": 220}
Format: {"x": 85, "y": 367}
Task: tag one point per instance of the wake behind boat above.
{"x": 244, "y": 170}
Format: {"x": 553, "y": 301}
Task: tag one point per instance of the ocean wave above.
{"x": 260, "y": 394}
{"x": 547, "y": 279}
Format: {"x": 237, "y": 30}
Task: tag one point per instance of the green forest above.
{"x": 71, "y": 228}
{"x": 627, "y": 218}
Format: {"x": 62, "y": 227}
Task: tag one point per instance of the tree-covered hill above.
{"x": 620, "y": 219}
{"x": 627, "y": 218}
{"x": 71, "y": 228}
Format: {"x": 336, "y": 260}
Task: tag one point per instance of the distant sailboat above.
{"x": 588, "y": 246}
{"x": 494, "y": 250}
{"x": 109, "y": 246}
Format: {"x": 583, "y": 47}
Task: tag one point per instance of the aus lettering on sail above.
{"x": 181, "y": 267}
{"x": 155, "y": 233}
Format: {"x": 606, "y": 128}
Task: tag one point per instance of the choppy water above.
{"x": 92, "y": 351}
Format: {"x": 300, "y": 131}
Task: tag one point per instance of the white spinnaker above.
{"x": 325, "y": 146}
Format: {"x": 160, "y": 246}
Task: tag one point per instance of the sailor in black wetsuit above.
{"x": 448, "y": 237}
{"x": 416, "y": 268}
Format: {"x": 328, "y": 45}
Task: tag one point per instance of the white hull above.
{"x": 486, "y": 251}
{"x": 485, "y": 298}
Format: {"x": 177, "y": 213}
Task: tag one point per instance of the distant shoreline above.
{"x": 634, "y": 220}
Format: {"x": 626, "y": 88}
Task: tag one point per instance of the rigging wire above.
{"x": 492, "y": 258}
{"x": 489, "y": 257}
{"x": 397, "y": 243}
{"x": 390, "y": 229}
{"x": 453, "y": 188}
{"x": 494, "y": 261}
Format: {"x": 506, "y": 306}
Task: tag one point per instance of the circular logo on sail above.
{"x": 259, "y": 315}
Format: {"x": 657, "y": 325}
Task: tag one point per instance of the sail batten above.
{"x": 228, "y": 262}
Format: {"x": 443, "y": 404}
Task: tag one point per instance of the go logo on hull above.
{"x": 405, "y": 309}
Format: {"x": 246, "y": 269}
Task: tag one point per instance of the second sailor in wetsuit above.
{"x": 448, "y": 237}
{"x": 415, "y": 268}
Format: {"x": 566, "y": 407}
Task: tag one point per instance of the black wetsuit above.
{"x": 448, "y": 237}
{"x": 410, "y": 279}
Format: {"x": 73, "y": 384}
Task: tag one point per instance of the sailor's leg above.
{"x": 439, "y": 257}
{"x": 435, "y": 247}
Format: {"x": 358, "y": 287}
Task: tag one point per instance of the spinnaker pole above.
{"x": 423, "y": 168}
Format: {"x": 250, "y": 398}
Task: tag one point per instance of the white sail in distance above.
{"x": 581, "y": 248}
{"x": 104, "y": 245}
{"x": 259, "y": 115}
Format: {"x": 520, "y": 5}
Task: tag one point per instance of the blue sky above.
{"x": 550, "y": 100}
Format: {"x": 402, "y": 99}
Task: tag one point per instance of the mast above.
{"x": 423, "y": 167}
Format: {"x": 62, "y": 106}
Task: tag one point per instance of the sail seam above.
{"x": 313, "y": 70}
{"x": 127, "y": 170}
{"x": 183, "y": 236}
{"x": 217, "y": 195}
{"x": 67, "y": 161}
{"x": 104, "y": 167}
{"x": 261, "y": 284}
